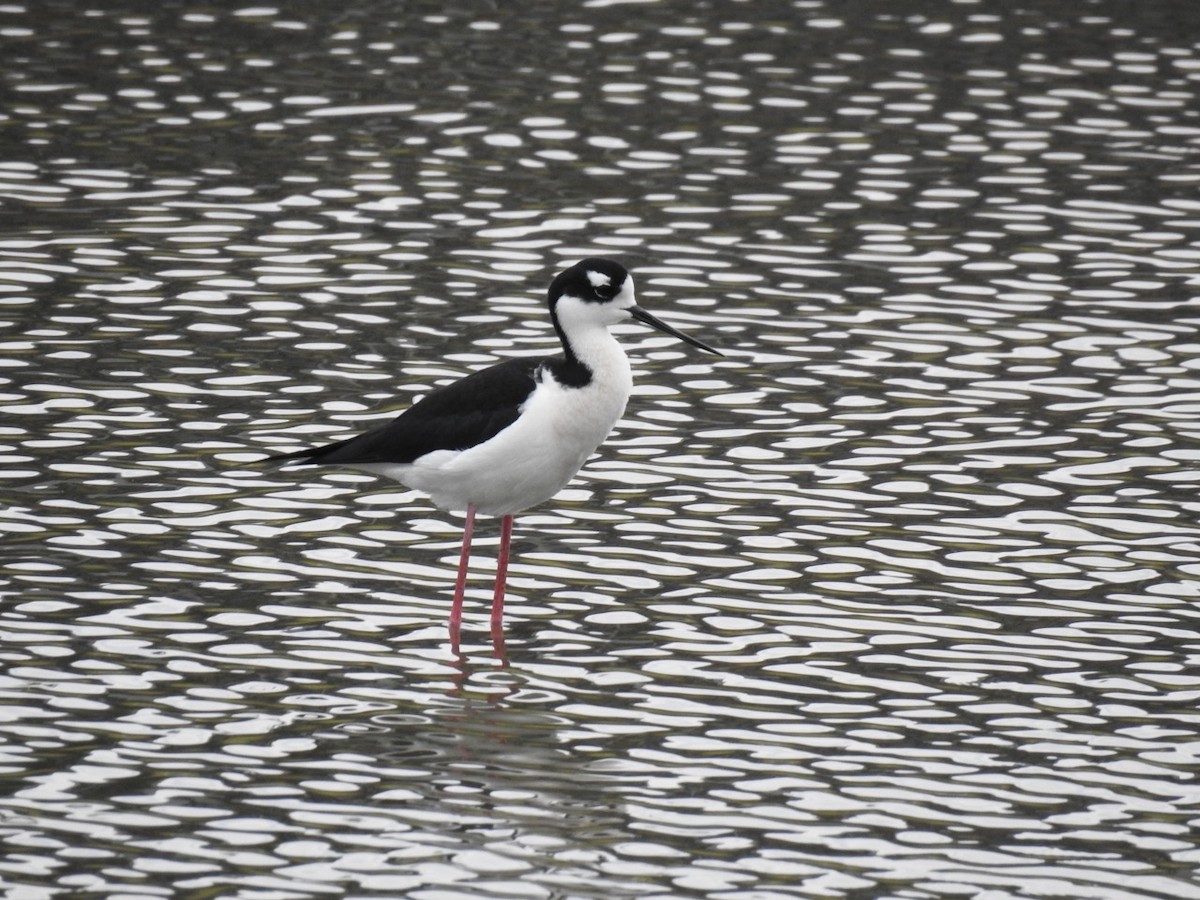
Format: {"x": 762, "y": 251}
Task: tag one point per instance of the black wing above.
{"x": 454, "y": 417}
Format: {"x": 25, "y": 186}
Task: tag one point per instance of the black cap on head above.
{"x": 595, "y": 280}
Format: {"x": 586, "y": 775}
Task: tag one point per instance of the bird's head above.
{"x": 600, "y": 292}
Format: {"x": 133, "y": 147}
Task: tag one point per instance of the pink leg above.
{"x": 506, "y": 526}
{"x": 460, "y": 585}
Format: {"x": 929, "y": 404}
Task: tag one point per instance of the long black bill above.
{"x": 642, "y": 316}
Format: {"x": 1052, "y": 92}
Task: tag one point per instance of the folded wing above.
{"x": 454, "y": 417}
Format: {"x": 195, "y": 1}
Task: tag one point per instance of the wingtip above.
{"x": 284, "y": 458}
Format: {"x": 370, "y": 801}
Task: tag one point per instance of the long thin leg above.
{"x": 506, "y": 526}
{"x": 460, "y": 585}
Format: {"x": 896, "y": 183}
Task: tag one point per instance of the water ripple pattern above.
{"x": 898, "y": 599}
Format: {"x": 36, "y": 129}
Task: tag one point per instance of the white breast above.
{"x": 534, "y": 458}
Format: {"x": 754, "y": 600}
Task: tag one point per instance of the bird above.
{"x": 509, "y": 437}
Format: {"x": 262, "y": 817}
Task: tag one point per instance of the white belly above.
{"x": 531, "y": 460}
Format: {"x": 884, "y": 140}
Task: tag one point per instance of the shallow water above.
{"x": 896, "y": 600}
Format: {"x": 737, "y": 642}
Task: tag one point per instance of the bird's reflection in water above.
{"x": 492, "y": 749}
{"x": 467, "y": 666}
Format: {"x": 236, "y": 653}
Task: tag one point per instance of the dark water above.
{"x": 898, "y": 600}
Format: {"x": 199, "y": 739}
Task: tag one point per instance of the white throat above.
{"x": 585, "y": 327}
{"x": 592, "y": 344}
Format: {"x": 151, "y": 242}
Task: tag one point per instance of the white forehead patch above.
{"x": 598, "y": 279}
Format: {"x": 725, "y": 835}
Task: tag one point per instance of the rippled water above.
{"x": 898, "y": 600}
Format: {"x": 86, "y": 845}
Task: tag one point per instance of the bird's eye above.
{"x": 604, "y": 291}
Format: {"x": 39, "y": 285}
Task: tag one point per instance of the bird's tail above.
{"x": 339, "y": 452}
{"x": 304, "y": 456}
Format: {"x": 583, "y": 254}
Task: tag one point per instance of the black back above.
{"x": 476, "y": 408}
{"x": 454, "y": 417}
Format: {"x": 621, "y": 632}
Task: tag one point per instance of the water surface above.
{"x": 896, "y": 600}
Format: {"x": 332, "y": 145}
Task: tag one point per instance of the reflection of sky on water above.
{"x": 897, "y": 596}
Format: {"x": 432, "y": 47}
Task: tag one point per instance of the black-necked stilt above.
{"x": 511, "y": 436}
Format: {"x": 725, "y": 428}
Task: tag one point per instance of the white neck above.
{"x": 597, "y": 349}
{"x": 588, "y": 339}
